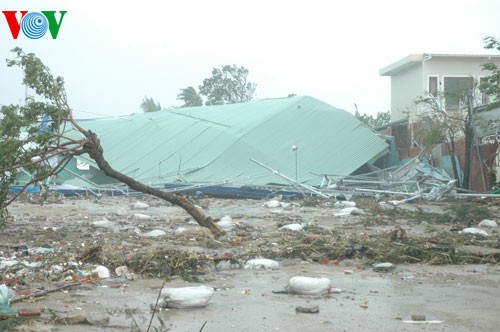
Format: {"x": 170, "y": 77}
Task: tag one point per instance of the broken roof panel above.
{"x": 211, "y": 144}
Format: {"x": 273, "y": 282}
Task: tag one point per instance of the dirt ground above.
{"x": 450, "y": 278}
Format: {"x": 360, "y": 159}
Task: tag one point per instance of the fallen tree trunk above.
{"x": 94, "y": 149}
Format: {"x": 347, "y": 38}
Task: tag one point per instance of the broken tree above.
{"x": 34, "y": 140}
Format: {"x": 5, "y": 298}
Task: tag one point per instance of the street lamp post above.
{"x": 294, "y": 149}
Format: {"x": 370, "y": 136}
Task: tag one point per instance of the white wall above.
{"x": 403, "y": 92}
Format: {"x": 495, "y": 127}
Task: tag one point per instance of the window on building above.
{"x": 455, "y": 91}
{"x": 433, "y": 85}
{"x": 485, "y": 98}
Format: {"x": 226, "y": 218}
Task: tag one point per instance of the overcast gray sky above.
{"x": 113, "y": 53}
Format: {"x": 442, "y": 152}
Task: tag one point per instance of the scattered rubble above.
{"x": 85, "y": 243}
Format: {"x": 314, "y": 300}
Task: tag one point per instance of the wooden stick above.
{"x": 42, "y": 293}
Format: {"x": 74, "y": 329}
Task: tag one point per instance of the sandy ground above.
{"x": 451, "y": 297}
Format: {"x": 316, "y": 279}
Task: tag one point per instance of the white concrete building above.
{"x": 418, "y": 75}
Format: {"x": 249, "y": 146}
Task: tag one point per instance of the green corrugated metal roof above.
{"x": 215, "y": 143}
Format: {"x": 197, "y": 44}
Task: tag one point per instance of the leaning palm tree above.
{"x": 190, "y": 97}
{"x": 149, "y": 105}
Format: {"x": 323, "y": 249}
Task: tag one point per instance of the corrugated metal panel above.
{"x": 215, "y": 143}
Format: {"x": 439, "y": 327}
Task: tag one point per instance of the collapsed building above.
{"x": 289, "y": 146}
{"x": 301, "y": 137}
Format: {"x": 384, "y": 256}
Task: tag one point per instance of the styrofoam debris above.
{"x": 104, "y": 223}
{"x": 57, "y": 268}
{"x": 423, "y": 322}
{"x": 308, "y": 286}
{"x": 101, "y": 271}
{"x": 140, "y": 216}
{"x": 383, "y": 267}
{"x": 180, "y": 230}
{"x": 122, "y": 212}
{"x": 272, "y": 203}
{"x": 472, "y": 230}
{"x": 139, "y": 206}
{"x": 5, "y": 263}
{"x": 488, "y": 223}
{"x": 292, "y": 227}
{"x": 226, "y": 223}
{"x": 122, "y": 271}
{"x": 226, "y": 265}
{"x": 345, "y": 204}
{"x": 155, "y": 233}
{"x": 358, "y": 212}
{"x": 40, "y": 251}
{"x": 345, "y": 212}
{"x": 261, "y": 263}
{"x": 185, "y": 297}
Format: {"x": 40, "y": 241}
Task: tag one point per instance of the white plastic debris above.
{"x": 272, "y": 203}
{"x": 345, "y": 204}
{"x": 40, "y": 251}
{"x": 383, "y": 267}
{"x": 226, "y": 223}
{"x": 345, "y": 212}
{"x": 101, "y": 271}
{"x": 180, "y": 230}
{"x": 185, "y": 297}
{"x": 104, "y": 223}
{"x": 122, "y": 271}
{"x": 140, "y": 216}
{"x": 276, "y": 210}
{"x": 292, "y": 227}
{"x": 57, "y": 268}
{"x": 5, "y": 263}
{"x": 122, "y": 212}
{"x": 423, "y": 322}
{"x": 261, "y": 263}
{"x": 308, "y": 286}
{"x": 139, "y": 206}
{"x": 488, "y": 223}
{"x": 472, "y": 230}
{"x": 226, "y": 265}
{"x": 155, "y": 233}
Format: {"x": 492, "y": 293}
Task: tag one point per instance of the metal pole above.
{"x": 296, "y": 167}
{"x": 294, "y": 149}
{"x": 292, "y": 181}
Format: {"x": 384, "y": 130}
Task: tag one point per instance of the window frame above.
{"x": 454, "y": 107}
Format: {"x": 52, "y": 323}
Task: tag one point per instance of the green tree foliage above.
{"x": 381, "y": 119}
{"x": 228, "y": 85}
{"x": 190, "y": 97}
{"x": 491, "y": 84}
{"x": 31, "y": 135}
{"x": 149, "y": 105}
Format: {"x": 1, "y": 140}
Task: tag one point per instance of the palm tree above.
{"x": 149, "y": 105}
{"x": 190, "y": 97}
